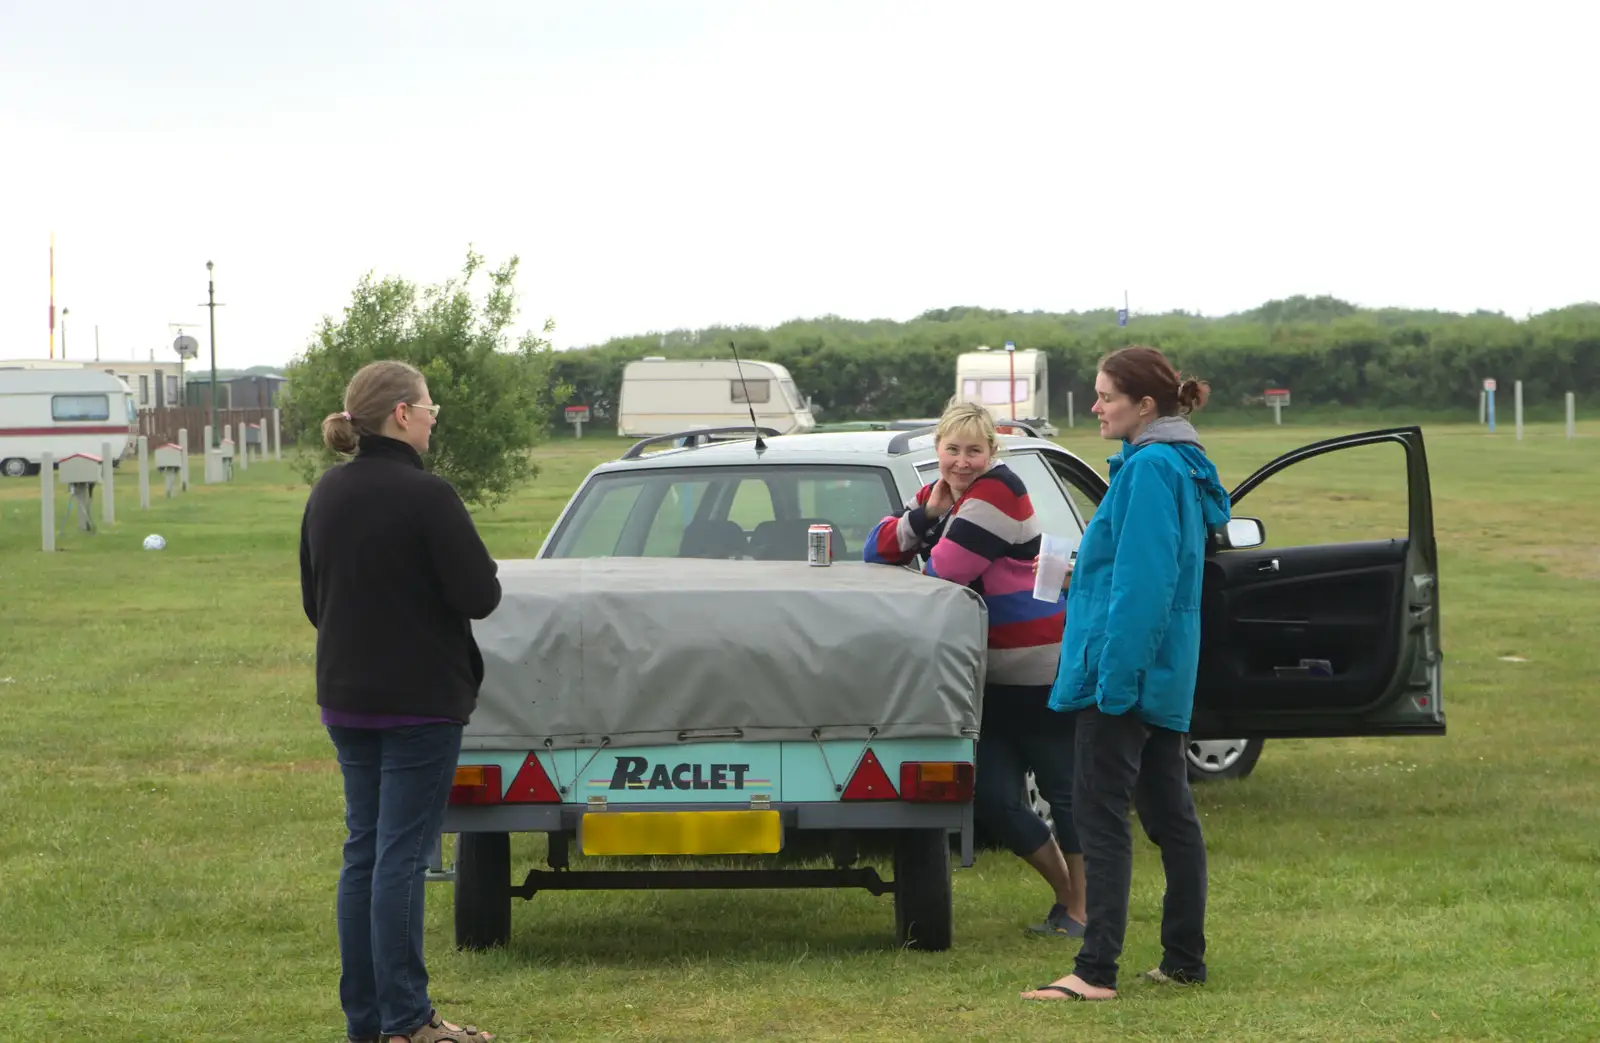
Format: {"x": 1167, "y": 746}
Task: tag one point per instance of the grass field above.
{"x": 170, "y": 815}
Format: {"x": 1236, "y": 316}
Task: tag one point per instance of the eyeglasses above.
{"x": 433, "y": 408}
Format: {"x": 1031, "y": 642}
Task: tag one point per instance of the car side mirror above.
{"x": 1243, "y": 534}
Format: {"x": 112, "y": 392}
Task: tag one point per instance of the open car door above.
{"x": 1329, "y": 640}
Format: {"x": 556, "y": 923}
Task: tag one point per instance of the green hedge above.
{"x": 1327, "y": 353}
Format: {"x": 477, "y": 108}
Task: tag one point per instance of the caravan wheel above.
{"x": 14, "y": 467}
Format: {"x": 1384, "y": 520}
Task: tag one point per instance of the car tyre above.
{"x": 1213, "y": 760}
{"x": 483, "y": 890}
{"x": 924, "y": 905}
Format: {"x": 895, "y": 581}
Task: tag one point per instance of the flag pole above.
{"x": 52, "y": 295}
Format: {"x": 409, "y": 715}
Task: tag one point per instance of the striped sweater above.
{"x": 987, "y": 541}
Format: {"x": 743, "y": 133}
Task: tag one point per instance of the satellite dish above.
{"x": 186, "y": 346}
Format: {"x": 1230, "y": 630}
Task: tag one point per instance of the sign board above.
{"x": 577, "y": 414}
{"x": 1488, "y": 385}
{"x": 1276, "y": 396}
{"x": 1122, "y": 316}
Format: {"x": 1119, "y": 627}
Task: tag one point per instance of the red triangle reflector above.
{"x": 869, "y": 782}
{"x": 532, "y": 785}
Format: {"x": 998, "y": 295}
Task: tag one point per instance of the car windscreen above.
{"x": 760, "y": 513}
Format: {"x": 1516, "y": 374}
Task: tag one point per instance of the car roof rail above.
{"x": 901, "y": 443}
{"x": 696, "y": 438}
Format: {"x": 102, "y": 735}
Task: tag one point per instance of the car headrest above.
{"x": 785, "y": 539}
{"x": 713, "y": 539}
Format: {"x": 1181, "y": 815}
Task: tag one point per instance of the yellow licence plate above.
{"x": 681, "y": 833}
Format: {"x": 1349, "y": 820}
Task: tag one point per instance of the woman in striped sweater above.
{"x": 975, "y": 525}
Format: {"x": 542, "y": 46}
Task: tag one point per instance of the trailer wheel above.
{"x": 14, "y": 467}
{"x": 924, "y": 909}
{"x": 483, "y": 890}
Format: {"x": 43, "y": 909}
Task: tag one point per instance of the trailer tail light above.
{"x": 936, "y": 782}
{"x": 476, "y": 784}
{"x": 869, "y": 781}
{"x": 531, "y": 785}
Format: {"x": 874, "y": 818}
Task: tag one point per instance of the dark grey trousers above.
{"x": 1121, "y": 761}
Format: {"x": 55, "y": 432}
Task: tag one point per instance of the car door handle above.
{"x": 1270, "y": 565}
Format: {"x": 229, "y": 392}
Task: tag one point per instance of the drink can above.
{"x": 819, "y": 545}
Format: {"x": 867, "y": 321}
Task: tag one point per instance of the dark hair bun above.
{"x": 1192, "y": 394}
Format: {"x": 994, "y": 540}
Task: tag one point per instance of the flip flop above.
{"x": 1069, "y": 994}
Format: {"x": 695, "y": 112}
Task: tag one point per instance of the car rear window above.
{"x": 760, "y": 513}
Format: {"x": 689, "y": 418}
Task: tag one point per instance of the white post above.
{"x": 1070, "y": 417}
{"x": 183, "y": 444}
{"x": 227, "y": 432}
{"x": 1519, "y": 410}
{"x": 108, "y": 502}
{"x": 1277, "y": 411}
{"x": 1483, "y": 407}
{"x": 1572, "y": 415}
{"x": 277, "y": 436}
{"x": 47, "y": 501}
{"x": 144, "y": 473}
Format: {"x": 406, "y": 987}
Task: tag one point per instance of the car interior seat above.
{"x": 713, "y": 539}
{"x": 785, "y": 539}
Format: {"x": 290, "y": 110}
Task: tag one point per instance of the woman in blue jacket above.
{"x": 1129, "y": 657}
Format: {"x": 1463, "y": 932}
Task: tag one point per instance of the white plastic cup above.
{"x": 1055, "y": 556}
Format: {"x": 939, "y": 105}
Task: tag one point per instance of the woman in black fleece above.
{"x": 392, "y": 572}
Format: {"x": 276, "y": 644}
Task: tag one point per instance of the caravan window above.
{"x": 759, "y": 391}
{"x": 994, "y": 392}
{"x": 80, "y": 407}
{"x": 133, "y": 412}
{"x": 792, "y": 393}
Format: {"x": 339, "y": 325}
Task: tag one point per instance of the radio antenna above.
{"x": 760, "y": 445}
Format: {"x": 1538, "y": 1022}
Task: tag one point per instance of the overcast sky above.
{"x": 679, "y": 163}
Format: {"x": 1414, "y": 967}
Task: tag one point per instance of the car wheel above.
{"x": 14, "y": 467}
{"x": 1213, "y": 759}
{"x": 483, "y": 890}
{"x": 924, "y": 906}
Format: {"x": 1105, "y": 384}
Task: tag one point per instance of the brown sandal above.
{"x": 435, "y": 1031}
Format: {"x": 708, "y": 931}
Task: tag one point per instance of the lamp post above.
{"x": 1011, "y": 356}
{"x": 211, "y": 305}
{"x": 64, "y": 312}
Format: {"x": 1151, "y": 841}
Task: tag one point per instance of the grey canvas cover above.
{"x": 640, "y": 651}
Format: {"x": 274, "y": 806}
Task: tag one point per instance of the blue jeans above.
{"x": 1004, "y": 759}
{"x": 396, "y": 784}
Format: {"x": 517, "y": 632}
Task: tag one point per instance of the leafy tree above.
{"x": 496, "y": 398}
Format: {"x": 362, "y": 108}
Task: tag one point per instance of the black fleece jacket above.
{"x": 392, "y": 571}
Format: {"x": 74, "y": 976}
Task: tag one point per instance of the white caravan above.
{"x": 1014, "y": 385}
{"x": 664, "y": 396}
{"x": 62, "y": 412}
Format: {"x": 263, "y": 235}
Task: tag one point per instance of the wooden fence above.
{"x": 161, "y": 425}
